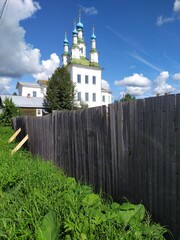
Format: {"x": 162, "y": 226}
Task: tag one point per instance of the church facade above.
{"x": 85, "y": 73}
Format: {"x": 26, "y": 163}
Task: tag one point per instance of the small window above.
{"x": 79, "y": 96}
{"x": 94, "y": 97}
{"x": 78, "y": 78}
{"x": 81, "y": 50}
{"x": 86, "y": 79}
{"x": 39, "y": 112}
{"x": 94, "y": 80}
{"x": 86, "y": 97}
{"x": 103, "y": 98}
{"x": 34, "y": 94}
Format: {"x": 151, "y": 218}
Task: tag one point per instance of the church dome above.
{"x": 93, "y": 36}
{"x": 65, "y": 41}
{"x": 75, "y": 32}
{"x": 79, "y": 25}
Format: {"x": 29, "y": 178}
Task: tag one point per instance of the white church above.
{"x": 85, "y": 73}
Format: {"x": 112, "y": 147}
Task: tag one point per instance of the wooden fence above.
{"x": 131, "y": 150}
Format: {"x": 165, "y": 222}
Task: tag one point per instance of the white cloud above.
{"x": 160, "y": 84}
{"x": 89, "y": 10}
{"x": 176, "y": 6}
{"x": 17, "y": 57}
{"x": 48, "y": 67}
{"x": 176, "y": 76}
{"x": 135, "y": 85}
{"x": 161, "y": 20}
{"x": 138, "y": 85}
{"x": 4, "y": 85}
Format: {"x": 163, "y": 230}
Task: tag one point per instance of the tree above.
{"x": 60, "y": 91}
{"x": 9, "y": 111}
{"x": 83, "y": 105}
{"x": 127, "y": 97}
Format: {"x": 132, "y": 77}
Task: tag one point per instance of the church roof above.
{"x": 25, "y": 102}
{"x": 43, "y": 82}
{"x": 27, "y": 84}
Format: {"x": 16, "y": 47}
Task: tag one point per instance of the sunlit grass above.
{"x": 37, "y": 201}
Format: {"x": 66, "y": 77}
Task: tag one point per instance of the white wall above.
{"x": 90, "y": 87}
{"x": 106, "y": 98}
{"x": 29, "y": 90}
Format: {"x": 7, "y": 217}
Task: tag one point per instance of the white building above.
{"x": 85, "y": 73}
{"x": 30, "y": 97}
{"x": 32, "y": 89}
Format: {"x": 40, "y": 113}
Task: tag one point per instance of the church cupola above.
{"x": 75, "y": 34}
{"x": 75, "y": 53}
{"x": 65, "y": 44}
{"x": 65, "y": 56}
{"x": 93, "y": 53}
{"x": 93, "y": 40}
{"x": 79, "y": 27}
{"x": 80, "y": 39}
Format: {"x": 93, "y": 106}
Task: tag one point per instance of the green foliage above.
{"x": 9, "y": 111}
{"x": 83, "y": 104}
{"x": 60, "y": 91}
{"x": 94, "y": 64}
{"x": 82, "y": 61}
{"x": 127, "y": 97}
{"x": 49, "y": 229}
{"x": 38, "y": 201}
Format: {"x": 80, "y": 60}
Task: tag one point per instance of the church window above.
{"x": 103, "y": 98}
{"x": 94, "y": 97}
{"x": 86, "y": 97}
{"x": 79, "y": 96}
{"x": 79, "y": 78}
{"x": 94, "y": 80}
{"x": 86, "y": 79}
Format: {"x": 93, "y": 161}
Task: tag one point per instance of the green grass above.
{"x": 37, "y": 201}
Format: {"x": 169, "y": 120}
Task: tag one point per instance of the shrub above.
{"x": 9, "y": 111}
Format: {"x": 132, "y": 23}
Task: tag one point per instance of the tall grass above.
{"x": 37, "y": 201}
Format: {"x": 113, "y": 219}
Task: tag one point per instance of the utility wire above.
{"x": 3, "y": 8}
{"x": 3, "y": 11}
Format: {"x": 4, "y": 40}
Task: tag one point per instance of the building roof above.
{"x": 26, "y": 84}
{"x": 25, "y": 102}
{"x": 43, "y": 82}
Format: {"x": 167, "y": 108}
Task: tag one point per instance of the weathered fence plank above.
{"x": 131, "y": 149}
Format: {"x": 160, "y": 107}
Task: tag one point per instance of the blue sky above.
{"x": 138, "y": 42}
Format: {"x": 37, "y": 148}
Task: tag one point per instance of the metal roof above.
{"x": 26, "y": 84}
{"x": 25, "y": 102}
